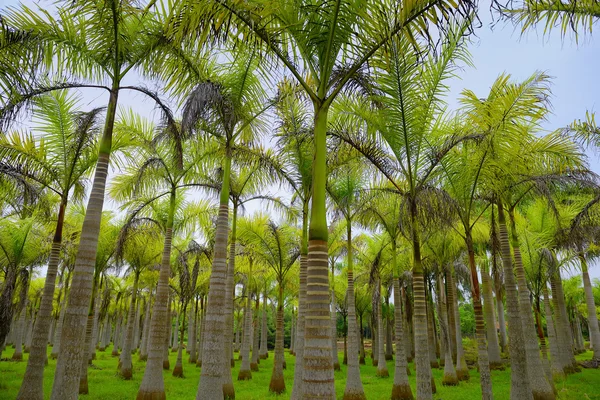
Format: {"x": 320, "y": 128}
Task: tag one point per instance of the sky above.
{"x": 497, "y": 50}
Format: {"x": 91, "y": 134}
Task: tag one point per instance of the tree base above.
{"x": 53, "y": 356}
{"x": 192, "y": 360}
{"x": 408, "y": 371}
{"x": 497, "y": 366}
{"x": 389, "y": 357}
{"x": 362, "y": 361}
{"x": 262, "y": 356}
{"x": 174, "y": 349}
{"x": 433, "y": 387}
{"x": 434, "y": 364}
{"x": 354, "y": 395}
{"x": 166, "y": 364}
{"x": 228, "y": 391}
{"x": 402, "y": 392}
{"x": 231, "y": 363}
{"x": 375, "y": 362}
{"x": 143, "y": 357}
{"x": 277, "y": 385}
{"x": 126, "y": 373}
{"x": 253, "y": 366}
{"x": 383, "y": 372}
{"x": 178, "y": 371}
{"x": 199, "y": 363}
{"x": 115, "y": 353}
{"x": 17, "y": 357}
{"x": 450, "y": 380}
{"x": 284, "y": 365}
{"x": 543, "y": 396}
{"x": 83, "y": 386}
{"x": 463, "y": 374}
{"x": 144, "y": 395}
{"x": 244, "y": 375}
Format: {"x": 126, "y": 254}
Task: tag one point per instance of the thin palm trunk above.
{"x": 255, "y": 360}
{"x": 556, "y": 366}
{"x": 540, "y": 387}
{"x": 297, "y": 389}
{"x": 500, "y": 312}
{"x": 382, "y": 370}
{"x": 153, "y": 386}
{"x": 277, "y": 383}
{"x": 20, "y": 333}
{"x": 591, "y": 310}
{"x": 245, "y": 373}
{"x": 126, "y": 365}
{"x": 334, "y": 351}
{"x": 462, "y": 371}
{"x": 562, "y": 324}
{"x": 317, "y": 371}
{"x": 192, "y": 323}
{"x": 263, "y": 351}
{"x": 86, "y": 360}
{"x": 228, "y": 389}
{"x": 32, "y": 387}
{"x": 490, "y": 321}
{"x": 211, "y": 378}
{"x": 166, "y": 364}
{"x": 450, "y": 378}
{"x": 175, "y": 344}
{"x": 201, "y": 335}
{"x": 520, "y": 383}
{"x": 433, "y": 361}
{"x": 451, "y": 316}
{"x": 144, "y": 349}
{"x": 401, "y": 389}
{"x": 482, "y": 347}
{"x": 178, "y": 370}
{"x": 66, "y": 376}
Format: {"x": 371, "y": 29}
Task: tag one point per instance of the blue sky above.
{"x": 573, "y": 66}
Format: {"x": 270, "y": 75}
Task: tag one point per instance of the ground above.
{"x": 105, "y": 384}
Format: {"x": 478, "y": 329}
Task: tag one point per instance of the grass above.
{"x": 105, "y": 384}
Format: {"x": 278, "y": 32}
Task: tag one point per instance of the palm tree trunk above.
{"x": 144, "y": 350}
{"x": 318, "y": 374}
{"x": 500, "y": 312}
{"x": 264, "y": 351}
{"x": 192, "y": 332}
{"x": 32, "y": 386}
{"x": 136, "y": 329}
{"x": 451, "y": 316}
{"x": 565, "y": 341}
{"x": 556, "y": 367}
{"x": 228, "y": 389}
{"x": 354, "y": 387}
{"x": 433, "y": 361}
{"x": 166, "y": 364}
{"x": 462, "y": 371}
{"x": 175, "y": 344}
{"x": 86, "y": 360}
{"x": 297, "y": 389}
{"x": 541, "y": 388}
{"x": 178, "y": 370}
{"x": 401, "y": 389}
{"x": 591, "y": 310}
{"x": 66, "y": 376}
{"x": 382, "y": 370}
{"x": 490, "y": 321}
{"x": 201, "y": 335}
{"x": 255, "y": 359}
{"x": 424, "y": 377}
{"x": 277, "y": 384}
{"x": 520, "y": 384}
{"x": 213, "y": 352}
{"x": 482, "y": 347}
{"x": 126, "y": 366}
{"x": 389, "y": 353}
{"x": 245, "y": 373}
{"x": 20, "y": 332}
{"x": 334, "y": 350}
{"x": 153, "y": 386}
{"x": 361, "y": 358}
{"x": 450, "y": 378}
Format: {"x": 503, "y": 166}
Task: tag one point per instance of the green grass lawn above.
{"x": 105, "y": 384}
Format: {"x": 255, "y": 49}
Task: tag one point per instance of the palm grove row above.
{"x": 350, "y": 96}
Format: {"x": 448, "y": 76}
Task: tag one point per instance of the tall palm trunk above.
{"x": 61, "y": 318}
{"x": 277, "y": 384}
{"x": 213, "y": 352}
{"x": 32, "y": 387}
{"x": 562, "y": 324}
{"x": 153, "y": 386}
{"x": 401, "y": 389}
{"x": 192, "y": 332}
{"x": 591, "y": 310}
{"x": 354, "y": 388}
{"x": 255, "y": 360}
{"x": 245, "y": 373}
{"x": 317, "y": 371}
{"x": 333, "y": 318}
{"x": 433, "y": 361}
{"x": 144, "y": 350}
{"x": 482, "y": 347}
{"x": 20, "y": 333}
{"x": 520, "y": 384}
{"x": 297, "y": 389}
{"x": 175, "y": 341}
{"x": 490, "y": 321}
{"x": 540, "y": 387}
{"x": 424, "y": 377}
{"x": 87, "y": 360}
{"x": 450, "y": 378}
{"x": 264, "y": 351}
{"x": 178, "y": 370}
{"x": 228, "y": 389}
{"x": 451, "y": 317}
{"x": 382, "y": 370}
{"x": 126, "y": 368}
{"x": 166, "y": 364}
{"x": 66, "y": 376}
{"x": 499, "y": 289}
{"x": 556, "y": 367}
{"x": 462, "y": 371}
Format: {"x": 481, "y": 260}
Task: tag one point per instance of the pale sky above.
{"x": 573, "y": 67}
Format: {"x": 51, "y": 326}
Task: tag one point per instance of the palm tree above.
{"x": 60, "y": 162}
{"x": 412, "y": 123}
{"x": 345, "y": 186}
{"x": 139, "y": 247}
{"x": 20, "y": 241}
{"x": 275, "y": 246}
{"x": 319, "y": 33}
{"x": 162, "y": 171}
{"x": 229, "y": 107}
